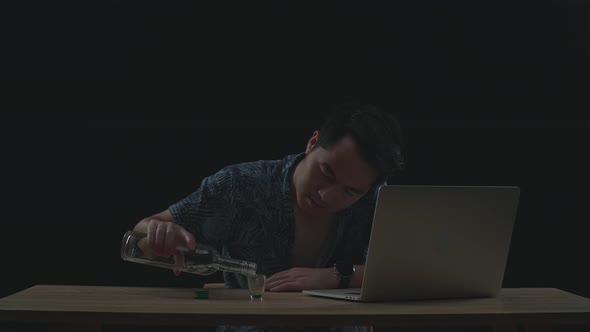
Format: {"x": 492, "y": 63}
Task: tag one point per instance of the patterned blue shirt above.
{"x": 246, "y": 211}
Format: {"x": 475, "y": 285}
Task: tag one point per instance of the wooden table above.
{"x": 90, "y": 307}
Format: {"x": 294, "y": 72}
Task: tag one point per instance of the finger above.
{"x": 169, "y": 241}
{"x": 279, "y": 275}
{"x": 273, "y": 283}
{"x": 295, "y": 272}
{"x": 160, "y": 236}
{"x": 274, "y": 279}
{"x": 151, "y": 235}
{"x": 179, "y": 261}
{"x": 189, "y": 240}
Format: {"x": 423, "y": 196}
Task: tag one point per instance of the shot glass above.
{"x": 256, "y": 286}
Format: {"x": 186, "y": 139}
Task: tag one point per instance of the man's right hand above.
{"x": 163, "y": 238}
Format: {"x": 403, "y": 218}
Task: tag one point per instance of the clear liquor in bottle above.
{"x": 204, "y": 260}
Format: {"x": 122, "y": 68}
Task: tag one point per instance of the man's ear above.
{"x": 312, "y": 141}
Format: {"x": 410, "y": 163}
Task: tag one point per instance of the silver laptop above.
{"x": 436, "y": 242}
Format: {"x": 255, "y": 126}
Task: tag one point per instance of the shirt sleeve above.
{"x": 207, "y": 213}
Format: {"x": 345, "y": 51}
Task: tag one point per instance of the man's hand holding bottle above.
{"x": 163, "y": 238}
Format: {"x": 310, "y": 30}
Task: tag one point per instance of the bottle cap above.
{"x": 201, "y": 294}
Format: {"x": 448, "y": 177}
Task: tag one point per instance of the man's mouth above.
{"x": 314, "y": 203}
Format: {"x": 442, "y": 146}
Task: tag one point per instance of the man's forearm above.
{"x": 357, "y": 277}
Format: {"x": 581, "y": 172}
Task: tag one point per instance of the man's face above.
{"x": 329, "y": 180}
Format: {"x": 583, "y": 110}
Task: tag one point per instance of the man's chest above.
{"x": 311, "y": 237}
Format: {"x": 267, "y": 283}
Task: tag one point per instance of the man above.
{"x": 306, "y": 219}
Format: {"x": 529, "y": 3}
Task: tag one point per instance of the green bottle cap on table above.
{"x": 201, "y": 294}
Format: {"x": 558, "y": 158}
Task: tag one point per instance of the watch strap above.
{"x": 344, "y": 281}
{"x": 344, "y": 273}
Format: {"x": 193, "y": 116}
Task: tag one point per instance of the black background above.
{"x": 114, "y": 110}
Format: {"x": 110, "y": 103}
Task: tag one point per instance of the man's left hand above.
{"x": 300, "y": 278}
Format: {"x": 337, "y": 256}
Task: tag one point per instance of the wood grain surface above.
{"x": 178, "y": 307}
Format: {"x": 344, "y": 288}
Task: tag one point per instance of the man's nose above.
{"x": 328, "y": 194}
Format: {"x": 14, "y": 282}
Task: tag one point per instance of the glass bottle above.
{"x": 204, "y": 260}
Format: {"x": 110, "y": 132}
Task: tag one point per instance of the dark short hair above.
{"x": 377, "y": 133}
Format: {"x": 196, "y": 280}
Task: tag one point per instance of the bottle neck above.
{"x": 235, "y": 265}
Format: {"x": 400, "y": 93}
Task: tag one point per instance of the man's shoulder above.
{"x": 251, "y": 181}
{"x": 267, "y": 170}
{"x": 253, "y": 168}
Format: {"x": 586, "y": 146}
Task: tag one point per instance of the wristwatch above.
{"x": 344, "y": 273}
